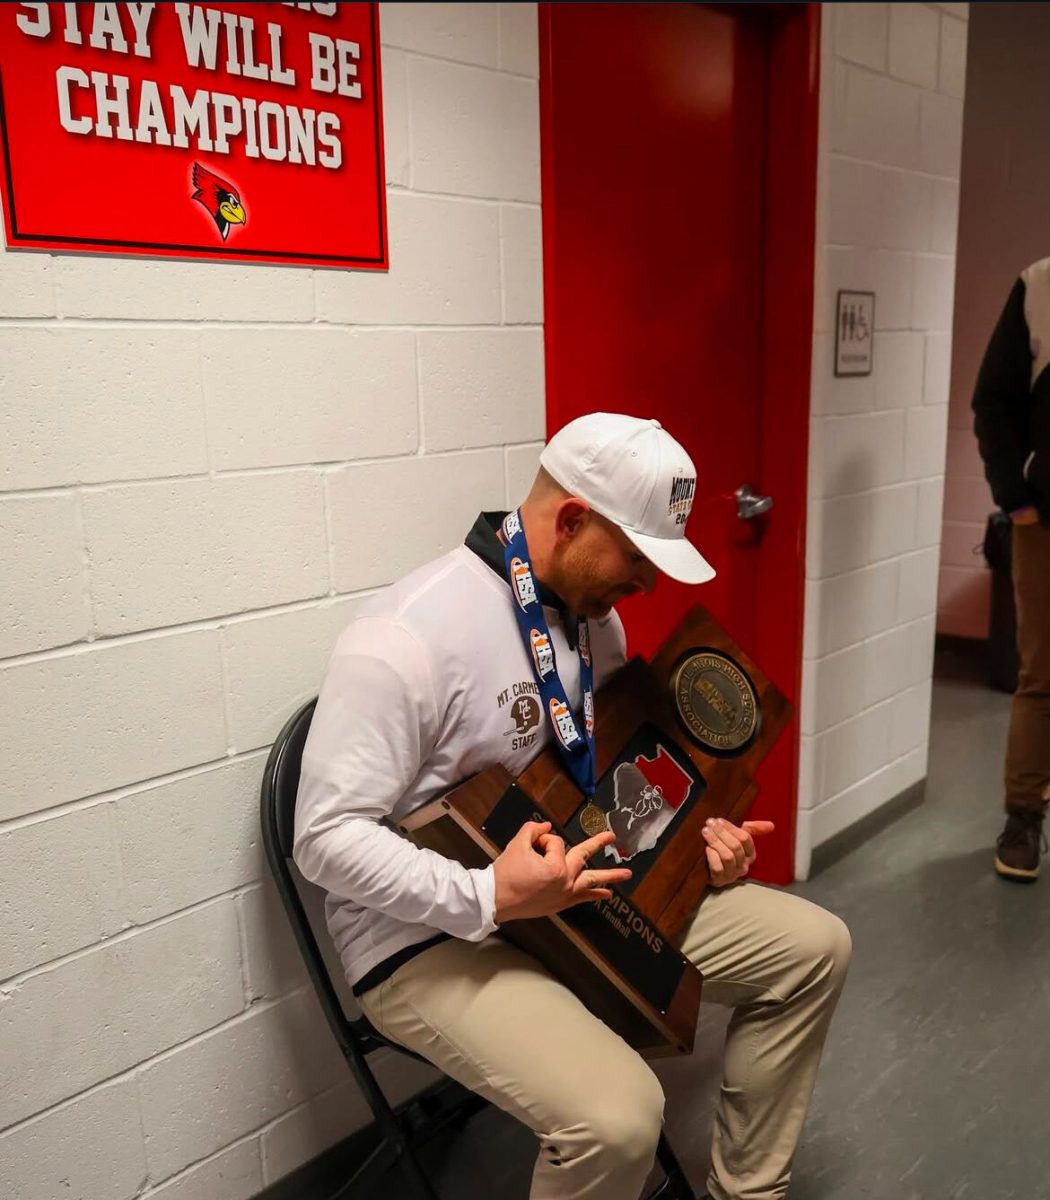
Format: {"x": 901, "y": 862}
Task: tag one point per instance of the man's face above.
{"x": 600, "y": 567}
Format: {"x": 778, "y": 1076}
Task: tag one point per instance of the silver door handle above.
{"x": 749, "y": 504}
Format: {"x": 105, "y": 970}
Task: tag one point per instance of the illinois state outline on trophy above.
{"x": 647, "y": 795}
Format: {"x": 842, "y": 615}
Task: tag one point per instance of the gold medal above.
{"x": 593, "y": 820}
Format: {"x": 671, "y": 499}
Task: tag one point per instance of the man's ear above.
{"x": 570, "y": 519}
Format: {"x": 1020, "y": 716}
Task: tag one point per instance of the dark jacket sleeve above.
{"x": 1002, "y": 404}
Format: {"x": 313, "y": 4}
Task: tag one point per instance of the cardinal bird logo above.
{"x": 220, "y": 198}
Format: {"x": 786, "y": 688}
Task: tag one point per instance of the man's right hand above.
{"x": 537, "y": 885}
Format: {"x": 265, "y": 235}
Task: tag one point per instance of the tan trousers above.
{"x": 491, "y": 1017}
{"x": 1028, "y": 744}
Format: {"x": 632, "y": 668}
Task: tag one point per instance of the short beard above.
{"x": 579, "y": 582}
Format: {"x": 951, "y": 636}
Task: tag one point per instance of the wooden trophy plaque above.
{"x": 678, "y": 740}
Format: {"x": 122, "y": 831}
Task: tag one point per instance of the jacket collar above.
{"x": 484, "y": 539}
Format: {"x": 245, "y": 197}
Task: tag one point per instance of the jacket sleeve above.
{"x": 1002, "y": 402}
{"x": 375, "y": 724}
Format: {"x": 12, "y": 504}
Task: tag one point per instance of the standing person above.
{"x": 432, "y": 683}
{"x": 1011, "y": 404}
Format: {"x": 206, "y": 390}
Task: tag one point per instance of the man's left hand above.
{"x": 731, "y": 848}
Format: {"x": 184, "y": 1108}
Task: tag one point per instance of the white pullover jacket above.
{"x": 429, "y": 685}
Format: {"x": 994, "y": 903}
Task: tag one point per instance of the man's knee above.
{"x": 826, "y": 944}
{"x": 838, "y": 948}
{"x": 623, "y": 1124}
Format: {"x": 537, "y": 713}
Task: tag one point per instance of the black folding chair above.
{"x": 401, "y": 1133}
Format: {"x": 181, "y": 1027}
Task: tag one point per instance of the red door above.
{"x": 655, "y": 185}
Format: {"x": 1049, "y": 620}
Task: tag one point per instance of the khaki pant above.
{"x": 491, "y": 1017}
{"x": 1028, "y": 744}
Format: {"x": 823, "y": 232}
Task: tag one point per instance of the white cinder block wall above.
{"x": 892, "y": 80}
{"x": 201, "y": 467}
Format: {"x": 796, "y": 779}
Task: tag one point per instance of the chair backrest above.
{"x": 281, "y": 779}
{"x": 280, "y": 785}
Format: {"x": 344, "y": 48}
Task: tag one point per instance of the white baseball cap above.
{"x": 634, "y": 473}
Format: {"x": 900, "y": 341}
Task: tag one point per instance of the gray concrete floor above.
{"x": 935, "y": 1083}
{"x": 936, "y": 1080}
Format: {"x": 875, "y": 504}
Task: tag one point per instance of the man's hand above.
{"x": 1025, "y": 516}
{"x": 731, "y": 849}
{"x": 531, "y": 884}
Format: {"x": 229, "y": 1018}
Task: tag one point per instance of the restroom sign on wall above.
{"x": 250, "y": 132}
{"x": 854, "y": 333}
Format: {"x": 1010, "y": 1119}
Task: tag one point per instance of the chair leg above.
{"x": 398, "y": 1154}
{"x": 675, "y": 1185}
{"x": 415, "y": 1171}
{"x": 389, "y": 1126}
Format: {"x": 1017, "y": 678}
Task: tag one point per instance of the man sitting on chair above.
{"x": 433, "y": 683}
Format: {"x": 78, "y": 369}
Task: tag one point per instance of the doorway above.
{"x": 679, "y": 171}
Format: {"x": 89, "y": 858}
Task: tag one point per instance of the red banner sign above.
{"x": 231, "y": 131}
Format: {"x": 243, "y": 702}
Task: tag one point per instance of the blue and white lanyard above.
{"x": 576, "y": 747}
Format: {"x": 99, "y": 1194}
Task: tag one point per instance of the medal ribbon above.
{"x": 576, "y": 746}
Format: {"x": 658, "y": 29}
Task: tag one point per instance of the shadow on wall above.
{"x": 847, "y": 535}
{"x": 964, "y": 601}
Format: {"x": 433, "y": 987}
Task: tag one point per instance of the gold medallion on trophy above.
{"x": 715, "y": 701}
